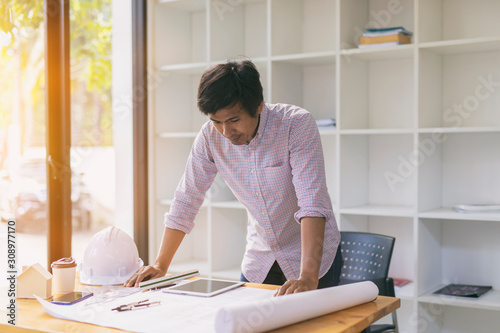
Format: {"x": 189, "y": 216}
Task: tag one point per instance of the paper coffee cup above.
{"x": 63, "y": 275}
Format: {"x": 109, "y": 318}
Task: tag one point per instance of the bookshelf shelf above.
{"x": 379, "y": 210}
{"x": 471, "y": 45}
{"x": 380, "y": 53}
{"x": 450, "y": 214}
{"x": 459, "y": 130}
{"x": 417, "y": 131}
{"x": 178, "y": 135}
{"x": 488, "y": 301}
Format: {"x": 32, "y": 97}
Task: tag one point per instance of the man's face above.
{"x": 236, "y": 124}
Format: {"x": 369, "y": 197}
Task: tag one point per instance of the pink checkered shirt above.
{"x": 279, "y": 177}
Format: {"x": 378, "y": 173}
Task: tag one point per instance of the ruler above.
{"x": 166, "y": 280}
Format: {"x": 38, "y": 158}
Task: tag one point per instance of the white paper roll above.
{"x": 269, "y": 314}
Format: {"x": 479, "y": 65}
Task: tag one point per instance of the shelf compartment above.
{"x": 356, "y": 16}
{"x": 379, "y": 210}
{"x": 232, "y": 274}
{"x": 193, "y": 251}
{"x": 230, "y": 226}
{"x": 441, "y": 20}
{"x": 375, "y": 171}
{"x": 465, "y": 165}
{"x": 303, "y": 26}
{"x": 376, "y": 94}
{"x": 183, "y": 24}
{"x": 459, "y": 90}
{"x": 488, "y": 301}
{"x": 434, "y": 317}
{"x": 309, "y": 86}
{"x": 399, "y": 227}
{"x": 448, "y": 254}
{"x": 165, "y": 150}
{"x": 406, "y": 292}
{"x": 238, "y": 28}
{"x": 330, "y": 157}
{"x": 182, "y": 266}
{"x": 176, "y": 95}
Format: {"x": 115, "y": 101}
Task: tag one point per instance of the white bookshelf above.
{"x": 418, "y": 130}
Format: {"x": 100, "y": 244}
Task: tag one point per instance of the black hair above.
{"x": 224, "y": 85}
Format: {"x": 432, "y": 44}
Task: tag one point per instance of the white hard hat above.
{"x": 111, "y": 257}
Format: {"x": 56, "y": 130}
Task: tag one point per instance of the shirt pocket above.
{"x": 276, "y": 182}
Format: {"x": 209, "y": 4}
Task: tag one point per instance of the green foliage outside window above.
{"x": 22, "y": 87}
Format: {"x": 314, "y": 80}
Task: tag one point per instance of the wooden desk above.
{"x": 32, "y": 318}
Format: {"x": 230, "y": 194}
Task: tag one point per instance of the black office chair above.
{"x": 367, "y": 256}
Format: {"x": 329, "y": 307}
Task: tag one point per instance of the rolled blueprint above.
{"x": 269, "y": 314}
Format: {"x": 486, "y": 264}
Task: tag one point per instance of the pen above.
{"x": 134, "y": 305}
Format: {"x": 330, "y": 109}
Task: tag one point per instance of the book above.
{"x": 400, "y": 38}
{"x": 477, "y": 208}
{"x": 400, "y": 282}
{"x": 463, "y": 290}
{"x": 386, "y": 31}
{"x": 367, "y": 46}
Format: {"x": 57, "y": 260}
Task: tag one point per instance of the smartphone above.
{"x": 71, "y": 298}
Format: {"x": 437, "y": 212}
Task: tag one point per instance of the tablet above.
{"x": 203, "y": 287}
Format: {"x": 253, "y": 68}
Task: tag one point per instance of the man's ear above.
{"x": 259, "y": 109}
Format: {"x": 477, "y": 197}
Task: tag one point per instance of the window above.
{"x": 101, "y": 130}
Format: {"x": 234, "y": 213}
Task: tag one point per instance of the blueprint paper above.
{"x": 241, "y": 310}
{"x": 176, "y": 313}
{"x": 269, "y": 314}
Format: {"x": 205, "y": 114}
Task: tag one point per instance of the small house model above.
{"x": 36, "y": 280}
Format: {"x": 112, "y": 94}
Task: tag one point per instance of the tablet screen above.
{"x": 203, "y": 287}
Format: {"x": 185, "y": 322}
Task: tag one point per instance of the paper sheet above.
{"x": 240, "y": 310}
{"x": 176, "y": 313}
{"x": 265, "y": 315}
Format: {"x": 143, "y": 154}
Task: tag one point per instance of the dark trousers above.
{"x": 330, "y": 279}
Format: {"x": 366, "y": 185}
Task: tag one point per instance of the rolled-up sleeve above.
{"x": 198, "y": 177}
{"x": 308, "y": 169}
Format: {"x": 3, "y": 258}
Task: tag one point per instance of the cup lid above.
{"x": 64, "y": 263}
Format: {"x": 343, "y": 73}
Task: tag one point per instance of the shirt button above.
{"x": 256, "y": 194}
{"x": 252, "y": 171}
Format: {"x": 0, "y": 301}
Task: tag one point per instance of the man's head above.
{"x": 231, "y": 95}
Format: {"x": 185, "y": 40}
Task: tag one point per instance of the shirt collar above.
{"x": 264, "y": 115}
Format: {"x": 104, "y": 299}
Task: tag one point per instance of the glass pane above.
{"x": 95, "y": 158}
{"x": 92, "y": 153}
{"x": 23, "y": 191}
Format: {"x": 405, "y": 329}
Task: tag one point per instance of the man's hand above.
{"x": 296, "y": 286}
{"x": 144, "y": 273}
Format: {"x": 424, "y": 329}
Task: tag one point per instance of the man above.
{"x": 271, "y": 158}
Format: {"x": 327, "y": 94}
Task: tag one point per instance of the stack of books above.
{"x": 326, "y": 123}
{"x": 384, "y": 37}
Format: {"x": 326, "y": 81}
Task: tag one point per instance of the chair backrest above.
{"x": 367, "y": 256}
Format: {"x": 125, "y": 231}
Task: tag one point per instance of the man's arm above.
{"x": 170, "y": 242}
{"x": 312, "y": 237}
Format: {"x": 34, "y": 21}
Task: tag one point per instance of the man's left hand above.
{"x": 296, "y": 286}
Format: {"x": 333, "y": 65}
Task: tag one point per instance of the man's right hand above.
{"x": 144, "y": 273}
